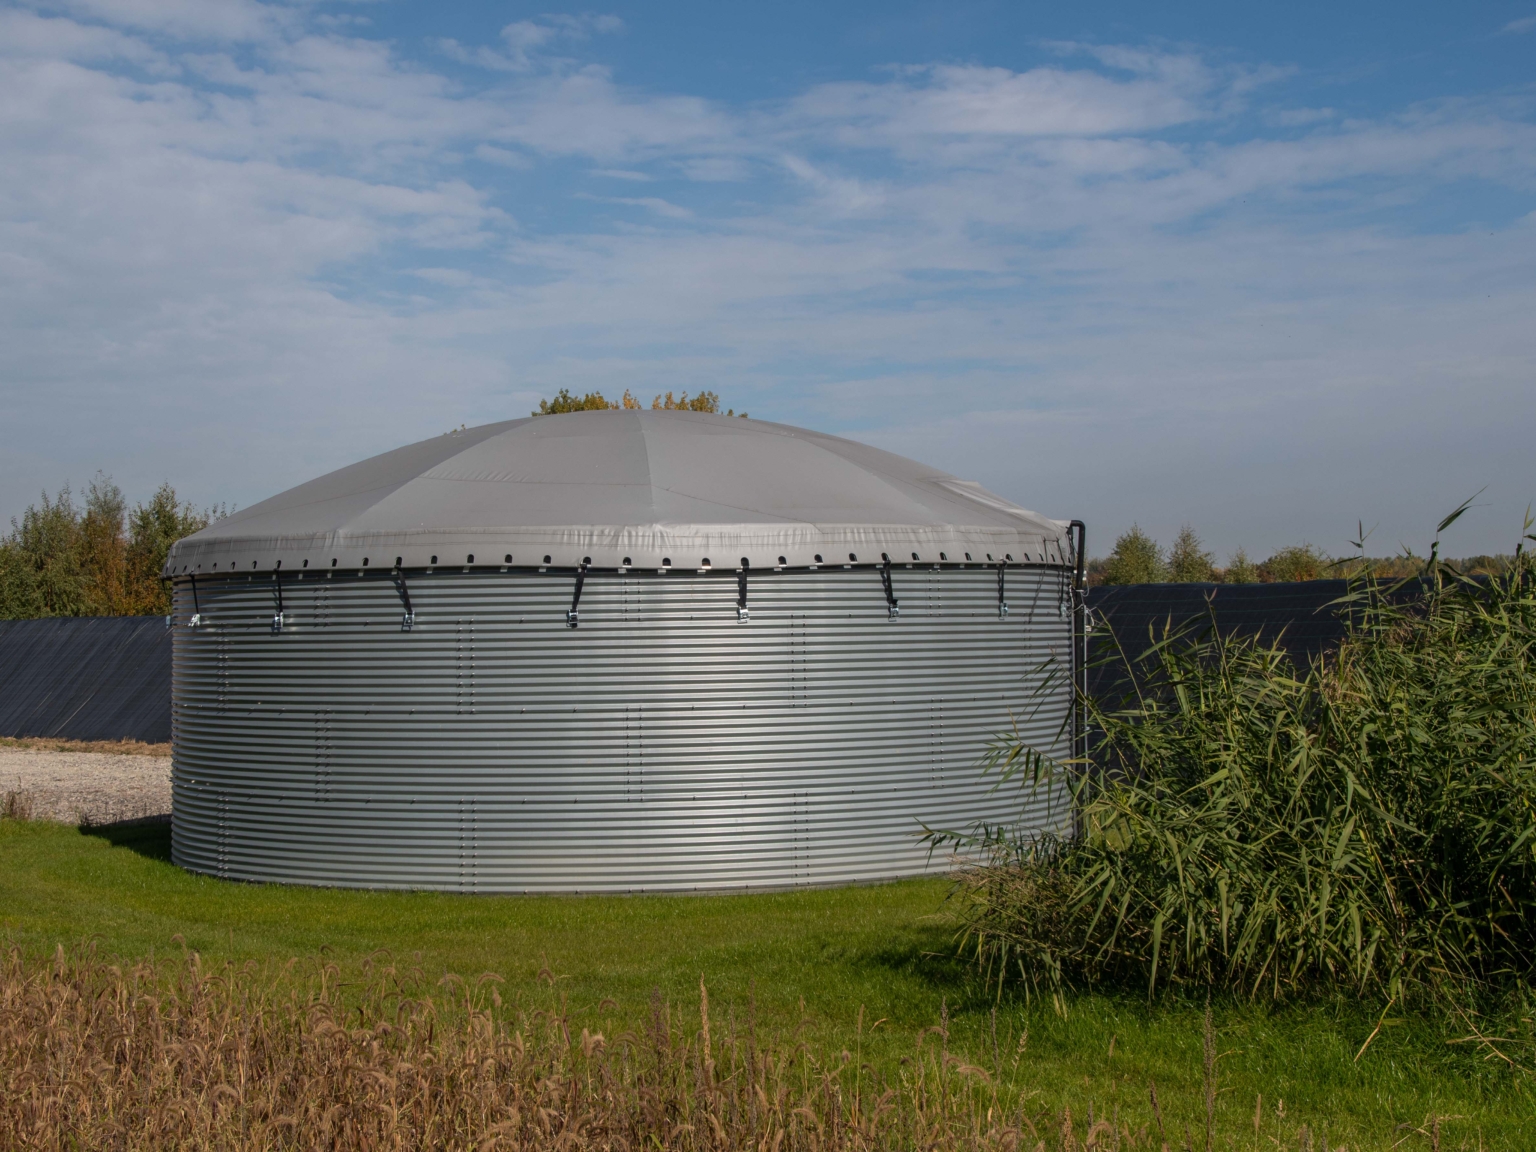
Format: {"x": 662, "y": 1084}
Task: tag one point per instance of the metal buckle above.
{"x": 1002, "y": 610}
{"x": 570, "y": 617}
{"x": 408, "y": 621}
{"x": 743, "y": 616}
{"x": 277, "y": 622}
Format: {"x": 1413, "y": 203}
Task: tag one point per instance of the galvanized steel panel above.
{"x": 660, "y": 745}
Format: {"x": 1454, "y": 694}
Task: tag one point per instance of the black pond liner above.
{"x": 86, "y": 678}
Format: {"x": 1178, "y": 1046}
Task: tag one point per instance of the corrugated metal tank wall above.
{"x": 662, "y": 745}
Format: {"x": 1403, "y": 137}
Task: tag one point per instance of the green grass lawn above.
{"x": 811, "y": 959}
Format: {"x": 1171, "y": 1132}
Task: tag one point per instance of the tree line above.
{"x": 94, "y": 557}
{"x": 1139, "y": 559}
{"x": 565, "y": 401}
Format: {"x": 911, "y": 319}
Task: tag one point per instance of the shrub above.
{"x": 1366, "y": 823}
{"x": 16, "y": 805}
{"x": 1297, "y": 562}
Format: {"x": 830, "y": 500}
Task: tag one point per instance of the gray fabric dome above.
{"x": 617, "y": 488}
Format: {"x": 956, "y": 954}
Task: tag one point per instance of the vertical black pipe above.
{"x": 1079, "y": 651}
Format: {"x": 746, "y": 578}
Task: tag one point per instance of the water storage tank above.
{"x": 612, "y": 651}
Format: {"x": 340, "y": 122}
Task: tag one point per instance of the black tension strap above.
{"x": 197, "y": 613}
{"x": 1002, "y": 601}
{"x": 408, "y": 621}
{"x": 742, "y": 615}
{"x": 890, "y": 597}
{"x": 581, "y": 578}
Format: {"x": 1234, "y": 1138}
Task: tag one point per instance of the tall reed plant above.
{"x": 1365, "y": 823}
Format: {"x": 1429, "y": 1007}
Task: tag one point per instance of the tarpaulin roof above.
{"x": 619, "y": 488}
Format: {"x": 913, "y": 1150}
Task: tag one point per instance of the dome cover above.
{"x": 620, "y": 488}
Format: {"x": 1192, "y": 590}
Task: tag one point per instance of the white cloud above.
{"x": 218, "y": 20}
{"x": 28, "y": 34}
{"x": 967, "y": 100}
{"x": 1517, "y": 27}
{"x": 1299, "y": 117}
{"x": 839, "y": 194}
{"x": 528, "y": 41}
{"x": 505, "y": 157}
{"x": 584, "y": 113}
{"x": 715, "y": 169}
{"x": 651, "y": 203}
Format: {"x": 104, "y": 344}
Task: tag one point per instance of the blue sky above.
{"x": 1269, "y": 271}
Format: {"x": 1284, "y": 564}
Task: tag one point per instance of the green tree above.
{"x": 47, "y": 547}
{"x": 703, "y": 402}
{"x": 1136, "y": 559}
{"x": 1240, "y": 570}
{"x": 102, "y": 549}
{"x": 99, "y": 560}
{"x": 152, "y": 529}
{"x": 21, "y": 597}
{"x": 1298, "y": 562}
{"x": 1188, "y": 562}
{"x": 1484, "y": 565}
{"x": 564, "y": 401}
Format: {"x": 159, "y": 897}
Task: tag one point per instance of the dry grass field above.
{"x": 180, "y": 1055}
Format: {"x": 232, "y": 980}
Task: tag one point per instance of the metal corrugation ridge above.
{"x": 659, "y": 746}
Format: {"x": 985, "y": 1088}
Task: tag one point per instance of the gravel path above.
{"x": 76, "y": 787}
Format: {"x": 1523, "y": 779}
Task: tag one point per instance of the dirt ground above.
{"x": 48, "y": 782}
